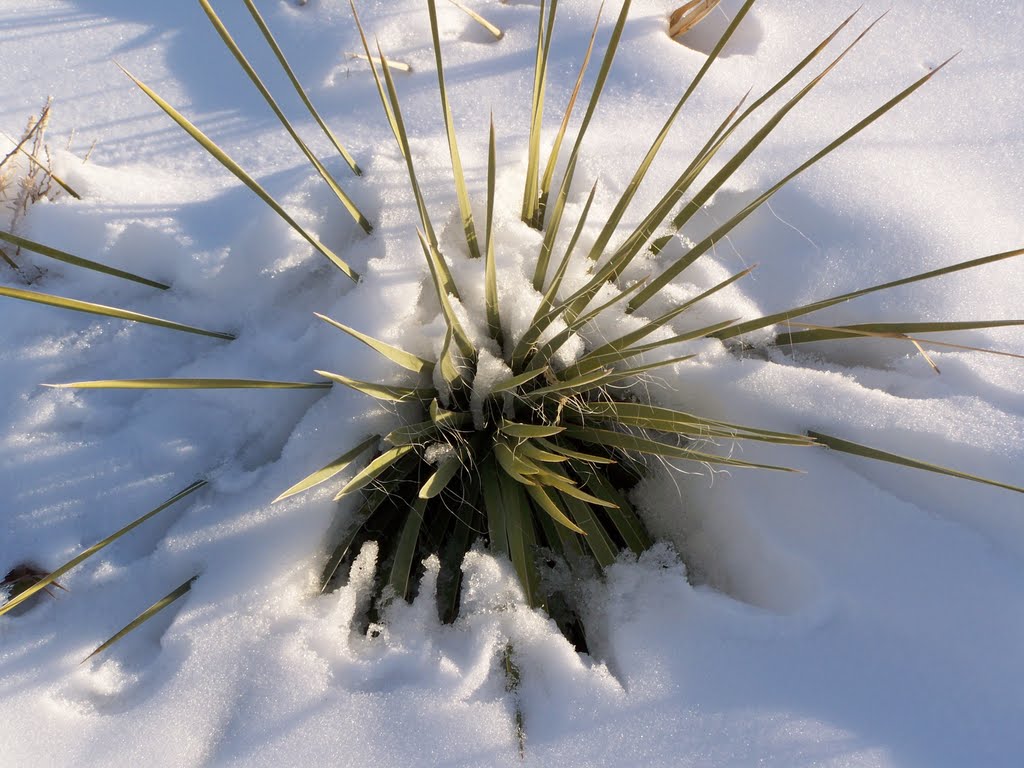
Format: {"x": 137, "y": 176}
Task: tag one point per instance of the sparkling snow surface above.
{"x": 855, "y": 615}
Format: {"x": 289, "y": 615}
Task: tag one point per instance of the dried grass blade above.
{"x": 10, "y": 262}
{"x": 19, "y": 147}
{"x": 498, "y": 34}
{"x": 105, "y": 311}
{"x": 687, "y": 16}
{"x": 401, "y": 66}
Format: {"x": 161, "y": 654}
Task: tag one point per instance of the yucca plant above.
{"x": 529, "y": 440}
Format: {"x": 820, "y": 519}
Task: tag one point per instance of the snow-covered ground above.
{"x": 856, "y": 615}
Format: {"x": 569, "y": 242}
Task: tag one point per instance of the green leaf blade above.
{"x": 398, "y": 356}
{"x": 865, "y": 451}
{"x": 145, "y": 616}
{"x": 224, "y": 159}
{"x": 328, "y": 471}
{"x": 102, "y": 310}
{"x": 181, "y": 383}
{"x": 382, "y": 391}
{"x": 86, "y": 554}
{"x": 77, "y": 261}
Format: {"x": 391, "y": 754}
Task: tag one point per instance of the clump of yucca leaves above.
{"x": 536, "y": 463}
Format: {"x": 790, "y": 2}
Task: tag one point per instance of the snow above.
{"x": 855, "y": 615}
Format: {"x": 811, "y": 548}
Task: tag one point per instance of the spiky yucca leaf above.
{"x": 865, "y": 451}
{"x": 45, "y": 581}
{"x": 545, "y": 27}
{"x": 888, "y": 330}
{"x": 490, "y": 267}
{"x": 240, "y": 57}
{"x": 853, "y": 332}
{"x": 630, "y": 191}
{"x": 328, "y": 471}
{"x": 224, "y": 159}
{"x": 77, "y": 261}
{"x": 102, "y": 310}
{"x": 398, "y": 356}
{"x": 539, "y": 465}
{"x": 705, "y": 245}
{"x": 190, "y": 384}
{"x": 453, "y": 146}
{"x": 806, "y": 309}
{"x": 283, "y": 60}
{"x": 145, "y": 616}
